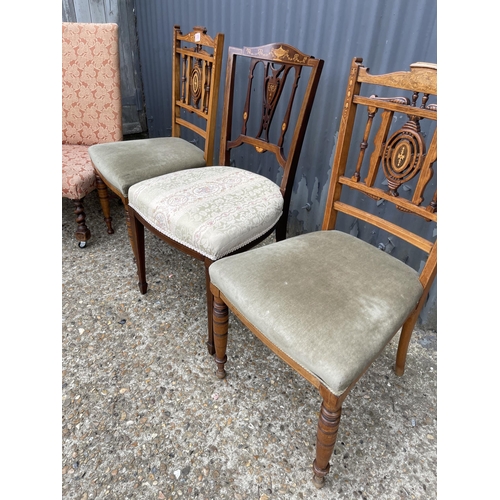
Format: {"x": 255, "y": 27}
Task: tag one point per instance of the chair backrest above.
{"x": 274, "y": 80}
{"x": 397, "y": 132}
{"x": 196, "y": 68}
{"x": 91, "y": 97}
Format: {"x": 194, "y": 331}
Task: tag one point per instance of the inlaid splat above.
{"x": 274, "y": 80}
{"x": 403, "y": 154}
{"x": 197, "y": 61}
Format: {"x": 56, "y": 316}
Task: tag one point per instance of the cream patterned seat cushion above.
{"x": 337, "y": 300}
{"x": 126, "y": 163}
{"x": 212, "y": 210}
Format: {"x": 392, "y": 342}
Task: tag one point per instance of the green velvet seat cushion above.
{"x": 327, "y": 299}
{"x": 126, "y": 163}
{"x": 212, "y": 210}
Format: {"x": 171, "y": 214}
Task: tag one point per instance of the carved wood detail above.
{"x": 82, "y": 231}
{"x": 328, "y": 426}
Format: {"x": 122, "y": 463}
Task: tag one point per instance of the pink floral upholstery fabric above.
{"x": 91, "y": 99}
{"x": 78, "y": 178}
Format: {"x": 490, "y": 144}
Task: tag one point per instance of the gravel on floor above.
{"x": 145, "y": 417}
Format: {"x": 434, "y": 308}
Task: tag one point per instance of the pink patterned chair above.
{"x": 91, "y": 107}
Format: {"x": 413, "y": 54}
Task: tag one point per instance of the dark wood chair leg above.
{"x": 136, "y": 235}
{"x": 328, "y": 426}
{"x": 131, "y": 237}
{"x": 210, "y": 307}
{"x": 102, "y": 191}
{"x": 281, "y": 230}
{"x": 221, "y": 324}
{"x": 82, "y": 231}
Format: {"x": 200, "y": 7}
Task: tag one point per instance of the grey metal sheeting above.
{"x": 388, "y": 34}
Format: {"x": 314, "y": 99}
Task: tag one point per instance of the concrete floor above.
{"x": 144, "y": 416}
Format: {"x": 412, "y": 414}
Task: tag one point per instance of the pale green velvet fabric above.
{"x": 126, "y": 163}
{"x": 213, "y": 210}
{"x": 327, "y": 299}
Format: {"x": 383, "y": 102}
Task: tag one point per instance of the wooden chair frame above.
{"x": 421, "y": 80}
{"x": 286, "y": 58}
{"x": 195, "y": 89}
{"x": 80, "y": 126}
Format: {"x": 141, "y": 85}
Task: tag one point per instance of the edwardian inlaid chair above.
{"x": 327, "y": 302}
{"x": 91, "y": 107}
{"x": 215, "y": 211}
{"x": 196, "y": 68}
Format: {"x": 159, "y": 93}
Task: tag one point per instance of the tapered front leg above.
{"x": 328, "y": 426}
{"x": 220, "y": 322}
{"x": 102, "y": 191}
{"x": 131, "y": 237}
{"x": 210, "y": 307}
{"x": 137, "y": 241}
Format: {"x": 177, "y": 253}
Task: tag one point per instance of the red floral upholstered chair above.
{"x": 91, "y": 107}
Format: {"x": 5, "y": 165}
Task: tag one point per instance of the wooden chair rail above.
{"x": 278, "y": 52}
{"x": 191, "y": 109}
{"x": 193, "y": 52}
{"x": 404, "y": 79}
{"x": 194, "y": 128}
{"x": 401, "y": 203}
{"x": 396, "y": 230}
{"x": 197, "y": 36}
{"x": 430, "y": 113}
{"x": 260, "y": 146}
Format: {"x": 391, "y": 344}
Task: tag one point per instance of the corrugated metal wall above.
{"x": 388, "y": 34}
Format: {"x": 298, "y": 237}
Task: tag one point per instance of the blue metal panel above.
{"x": 388, "y": 34}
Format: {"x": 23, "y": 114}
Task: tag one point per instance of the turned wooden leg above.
{"x": 210, "y": 307}
{"x": 102, "y": 191}
{"x": 328, "y": 426}
{"x": 136, "y": 235}
{"x": 221, "y": 322}
{"x": 82, "y": 231}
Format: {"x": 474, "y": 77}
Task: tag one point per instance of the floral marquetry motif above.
{"x": 287, "y": 54}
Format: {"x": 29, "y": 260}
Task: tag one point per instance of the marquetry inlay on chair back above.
{"x": 197, "y": 61}
{"x": 387, "y": 151}
{"x": 275, "y": 104}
